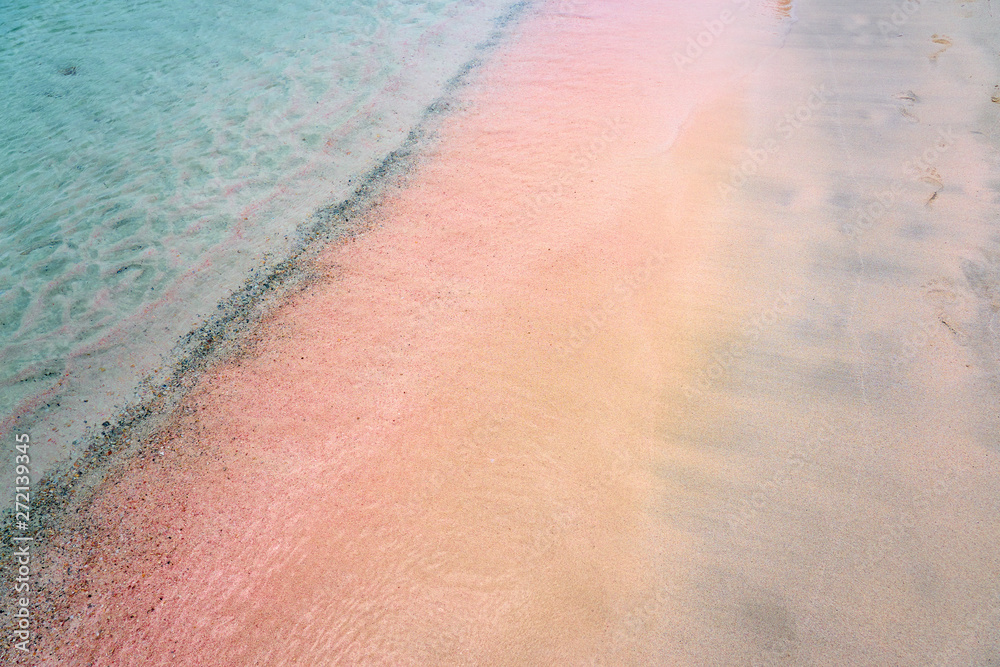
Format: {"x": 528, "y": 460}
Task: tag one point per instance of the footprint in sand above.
{"x": 783, "y": 8}
{"x": 944, "y": 41}
{"x": 932, "y": 177}
{"x": 949, "y": 304}
{"x": 941, "y": 292}
{"x": 907, "y": 99}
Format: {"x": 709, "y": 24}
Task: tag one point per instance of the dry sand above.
{"x": 621, "y": 377}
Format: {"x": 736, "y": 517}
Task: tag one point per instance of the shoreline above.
{"x": 230, "y": 334}
{"x": 487, "y": 100}
{"x": 221, "y": 337}
{"x": 569, "y": 400}
{"x": 325, "y": 224}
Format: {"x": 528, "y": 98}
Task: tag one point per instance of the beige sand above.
{"x": 589, "y": 396}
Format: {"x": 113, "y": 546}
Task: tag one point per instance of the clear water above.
{"x": 153, "y": 152}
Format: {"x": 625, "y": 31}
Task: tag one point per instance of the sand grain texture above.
{"x": 585, "y": 397}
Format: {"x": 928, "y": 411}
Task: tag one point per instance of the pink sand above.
{"x": 482, "y": 439}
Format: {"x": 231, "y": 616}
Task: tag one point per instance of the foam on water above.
{"x": 153, "y": 153}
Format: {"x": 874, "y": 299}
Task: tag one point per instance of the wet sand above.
{"x": 664, "y": 355}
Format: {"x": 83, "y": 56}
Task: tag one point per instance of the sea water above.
{"x": 152, "y": 153}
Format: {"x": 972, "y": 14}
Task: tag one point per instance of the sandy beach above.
{"x": 679, "y": 346}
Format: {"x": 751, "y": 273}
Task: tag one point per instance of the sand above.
{"x": 665, "y": 354}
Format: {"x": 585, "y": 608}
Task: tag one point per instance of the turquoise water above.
{"x": 152, "y": 153}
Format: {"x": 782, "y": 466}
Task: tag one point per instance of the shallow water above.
{"x": 152, "y": 153}
{"x": 653, "y": 361}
